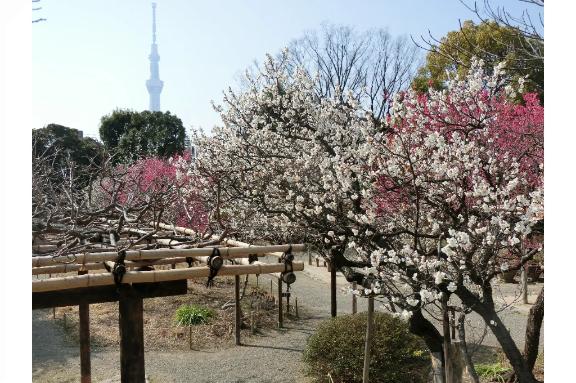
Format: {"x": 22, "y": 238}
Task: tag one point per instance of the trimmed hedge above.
{"x": 337, "y": 348}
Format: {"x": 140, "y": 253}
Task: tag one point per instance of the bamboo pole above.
{"x": 138, "y": 255}
{"x": 103, "y": 279}
{"x": 245, "y": 261}
{"x": 227, "y": 242}
{"x": 69, "y": 267}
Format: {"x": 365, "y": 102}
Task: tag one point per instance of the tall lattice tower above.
{"x": 154, "y": 84}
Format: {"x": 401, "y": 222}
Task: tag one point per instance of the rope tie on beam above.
{"x": 119, "y": 268}
{"x": 288, "y": 275}
{"x": 189, "y": 260}
{"x": 215, "y": 262}
{"x": 252, "y": 258}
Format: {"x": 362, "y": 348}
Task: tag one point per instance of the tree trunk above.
{"x": 464, "y": 347}
{"x": 488, "y": 313}
{"x": 533, "y": 326}
{"x": 423, "y": 328}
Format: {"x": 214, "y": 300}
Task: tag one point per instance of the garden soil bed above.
{"x": 160, "y": 328}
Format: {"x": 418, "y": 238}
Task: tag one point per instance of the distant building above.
{"x": 154, "y": 84}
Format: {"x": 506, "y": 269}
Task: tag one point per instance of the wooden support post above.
{"x": 173, "y": 266}
{"x": 333, "y": 291}
{"x": 131, "y": 336}
{"x": 452, "y": 323}
{"x": 53, "y": 312}
{"x": 238, "y": 315}
{"x": 296, "y": 307}
{"x": 354, "y": 299}
{"x": 309, "y": 256}
{"x": 84, "y": 324}
{"x": 252, "y": 324}
{"x": 271, "y": 290}
{"x": 369, "y": 336}
{"x": 280, "y": 314}
{"x": 524, "y": 282}
{"x": 317, "y": 262}
{"x": 446, "y": 344}
{"x": 287, "y": 303}
{"x": 190, "y": 337}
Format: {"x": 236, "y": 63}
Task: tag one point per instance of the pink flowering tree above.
{"x": 430, "y": 203}
{"x": 155, "y": 189}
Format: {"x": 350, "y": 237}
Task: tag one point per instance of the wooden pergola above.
{"x": 127, "y": 272}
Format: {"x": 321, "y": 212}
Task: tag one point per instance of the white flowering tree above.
{"x": 434, "y": 200}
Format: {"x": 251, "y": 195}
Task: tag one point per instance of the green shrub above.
{"x": 337, "y": 349}
{"x": 491, "y": 372}
{"x": 188, "y": 315}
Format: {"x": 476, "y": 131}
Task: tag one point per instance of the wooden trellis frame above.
{"x": 85, "y": 288}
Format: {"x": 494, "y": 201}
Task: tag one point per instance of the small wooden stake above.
{"x": 190, "y": 336}
{"x": 53, "y": 312}
{"x": 296, "y": 307}
{"x": 446, "y": 344}
{"x": 452, "y": 323}
{"x": 252, "y": 326}
{"x": 280, "y": 317}
{"x": 309, "y": 256}
{"x": 317, "y": 262}
{"x": 237, "y": 308}
{"x": 369, "y": 336}
{"x": 524, "y": 282}
{"x": 354, "y": 299}
{"x": 84, "y": 325}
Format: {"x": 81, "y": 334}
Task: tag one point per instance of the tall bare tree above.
{"x": 371, "y": 65}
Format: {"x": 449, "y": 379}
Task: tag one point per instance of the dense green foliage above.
{"x": 189, "y": 315}
{"x": 337, "y": 348}
{"x": 131, "y": 135}
{"x": 65, "y": 148}
{"x": 492, "y": 43}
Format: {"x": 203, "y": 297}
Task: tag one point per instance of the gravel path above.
{"x": 272, "y": 357}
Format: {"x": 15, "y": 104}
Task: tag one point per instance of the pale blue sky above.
{"x": 92, "y": 57}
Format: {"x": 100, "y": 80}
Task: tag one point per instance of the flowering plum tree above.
{"x": 435, "y": 200}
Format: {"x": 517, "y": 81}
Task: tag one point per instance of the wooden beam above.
{"x": 101, "y": 294}
{"x": 103, "y": 279}
{"x": 131, "y": 321}
{"x": 138, "y": 255}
